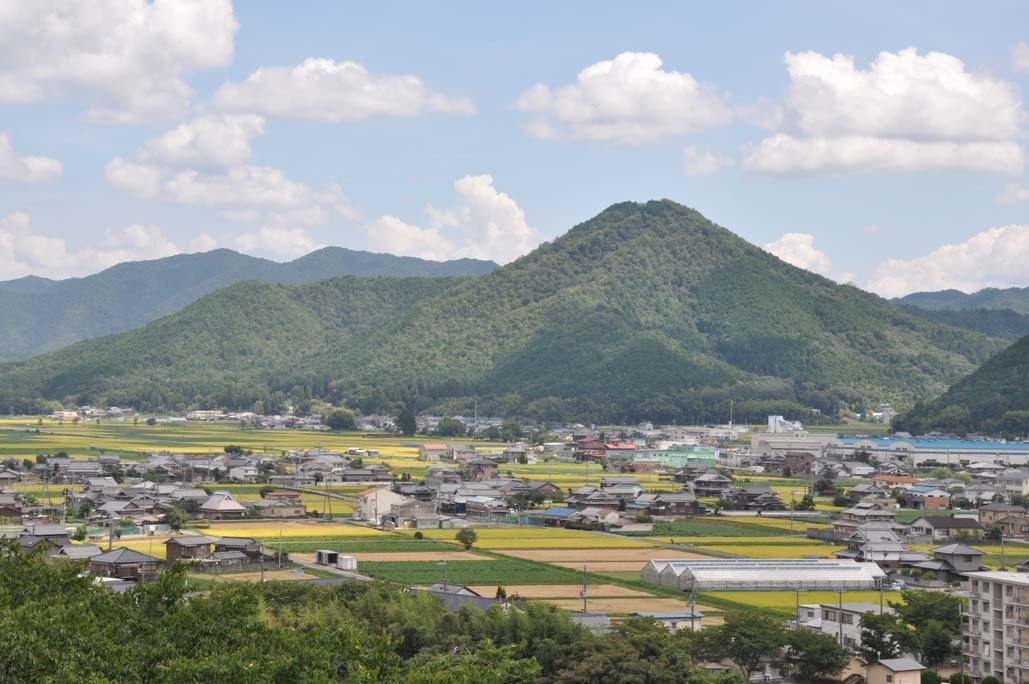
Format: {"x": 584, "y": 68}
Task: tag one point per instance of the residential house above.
{"x": 894, "y": 671}
{"x": 675, "y": 620}
{"x": 376, "y": 502}
{"x": 950, "y": 562}
{"x": 221, "y": 506}
{"x": 1014, "y": 482}
{"x": 413, "y": 513}
{"x": 666, "y": 504}
{"x": 943, "y": 527}
{"x": 923, "y": 497}
{"x": 556, "y": 516}
{"x": 711, "y": 485}
{"x": 839, "y": 621}
{"x": 478, "y": 469}
{"x": 189, "y": 547}
{"x": 433, "y": 451}
{"x": 753, "y": 498}
{"x": 278, "y": 508}
{"x": 125, "y": 564}
{"x": 1011, "y": 519}
{"x": 250, "y": 548}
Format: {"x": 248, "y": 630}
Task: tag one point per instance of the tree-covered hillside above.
{"x": 39, "y": 315}
{"x": 1014, "y": 298}
{"x": 1003, "y": 323}
{"x": 647, "y": 310}
{"x": 993, "y": 399}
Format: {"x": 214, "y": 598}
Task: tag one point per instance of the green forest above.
{"x": 645, "y": 311}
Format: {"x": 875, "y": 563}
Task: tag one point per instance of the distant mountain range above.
{"x": 647, "y": 310}
{"x": 38, "y": 314}
{"x": 1014, "y": 298}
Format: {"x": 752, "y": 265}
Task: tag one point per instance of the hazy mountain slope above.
{"x": 646, "y": 310}
{"x": 37, "y": 314}
{"x": 1014, "y": 298}
{"x": 1003, "y": 323}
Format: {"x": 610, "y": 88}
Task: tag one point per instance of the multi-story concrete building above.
{"x": 995, "y": 636}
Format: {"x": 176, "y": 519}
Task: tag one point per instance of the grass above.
{"x": 723, "y": 527}
{"x": 538, "y": 538}
{"x": 784, "y": 602}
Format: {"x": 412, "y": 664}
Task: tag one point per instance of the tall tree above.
{"x": 751, "y": 637}
{"x": 406, "y": 422}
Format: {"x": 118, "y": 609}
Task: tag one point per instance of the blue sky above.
{"x": 135, "y": 130}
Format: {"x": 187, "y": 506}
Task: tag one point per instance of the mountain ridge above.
{"x": 40, "y": 314}
{"x": 646, "y": 310}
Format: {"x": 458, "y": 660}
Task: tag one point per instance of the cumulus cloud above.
{"x": 998, "y": 257}
{"x": 697, "y": 161}
{"x": 277, "y": 242}
{"x": 905, "y": 112}
{"x": 1020, "y": 56}
{"x": 628, "y": 99}
{"x": 784, "y": 154}
{"x": 327, "y": 90}
{"x": 1014, "y": 194}
{"x": 139, "y": 179}
{"x": 25, "y": 169}
{"x": 211, "y": 140}
{"x": 799, "y": 250}
{"x": 483, "y": 224}
{"x": 25, "y": 252}
{"x": 128, "y": 58}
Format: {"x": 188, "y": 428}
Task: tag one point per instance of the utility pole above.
{"x": 582, "y": 592}
{"x": 280, "y": 548}
{"x": 692, "y": 606}
{"x": 445, "y": 574}
{"x": 840, "y": 617}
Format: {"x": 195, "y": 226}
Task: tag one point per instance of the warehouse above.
{"x": 745, "y": 574}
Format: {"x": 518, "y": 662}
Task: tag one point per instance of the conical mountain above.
{"x": 647, "y": 310}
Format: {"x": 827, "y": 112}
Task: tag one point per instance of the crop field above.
{"x": 770, "y": 547}
{"x": 546, "y": 591}
{"x": 486, "y": 571}
{"x": 784, "y": 602}
{"x": 273, "y": 530}
{"x": 451, "y": 555}
{"x": 728, "y": 527}
{"x": 389, "y": 543}
{"x": 539, "y": 538}
{"x": 628, "y": 606}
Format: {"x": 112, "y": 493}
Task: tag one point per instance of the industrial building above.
{"x": 747, "y": 574}
{"x": 918, "y": 450}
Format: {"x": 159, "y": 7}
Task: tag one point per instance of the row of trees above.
{"x": 59, "y": 626}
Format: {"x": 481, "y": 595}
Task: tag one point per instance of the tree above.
{"x": 233, "y": 450}
{"x": 340, "y": 419}
{"x": 450, "y": 427}
{"x": 884, "y": 636}
{"x": 750, "y": 637}
{"x": 406, "y": 422}
{"x": 934, "y": 642}
{"x": 175, "y": 518}
{"x": 805, "y": 504}
{"x": 931, "y": 677}
{"x": 511, "y": 430}
{"x": 918, "y": 608}
{"x": 151, "y": 421}
{"x": 811, "y": 654}
{"x": 80, "y": 533}
{"x": 467, "y": 537}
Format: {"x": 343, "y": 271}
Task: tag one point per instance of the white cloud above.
{"x": 129, "y": 58}
{"x": 25, "y": 169}
{"x": 799, "y": 250}
{"x": 277, "y": 242}
{"x": 1014, "y": 194}
{"x": 1020, "y": 56}
{"x": 24, "y": 252}
{"x": 140, "y": 179}
{"x": 326, "y": 90}
{"x": 211, "y": 140}
{"x": 202, "y": 243}
{"x": 700, "y": 162}
{"x": 483, "y": 224}
{"x": 998, "y": 257}
{"x": 628, "y": 99}
{"x": 905, "y": 112}
{"x": 783, "y": 154}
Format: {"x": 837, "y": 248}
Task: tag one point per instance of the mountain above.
{"x": 647, "y": 310}
{"x": 993, "y": 399}
{"x": 37, "y": 314}
{"x": 1003, "y": 323}
{"x": 1014, "y": 298}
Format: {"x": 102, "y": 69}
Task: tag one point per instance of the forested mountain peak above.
{"x": 646, "y": 310}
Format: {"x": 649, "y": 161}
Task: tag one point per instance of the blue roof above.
{"x": 559, "y": 511}
{"x": 939, "y": 443}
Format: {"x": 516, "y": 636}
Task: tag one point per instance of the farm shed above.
{"x": 745, "y": 574}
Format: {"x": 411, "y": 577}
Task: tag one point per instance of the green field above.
{"x": 725, "y": 527}
{"x": 499, "y": 571}
{"x": 784, "y": 602}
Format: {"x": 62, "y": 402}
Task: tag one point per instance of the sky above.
{"x": 877, "y": 143}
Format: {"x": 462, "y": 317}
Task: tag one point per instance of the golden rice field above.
{"x": 799, "y": 526}
{"x": 539, "y": 538}
{"x": 785, "y": 601}
{"x": 287, "y": 528}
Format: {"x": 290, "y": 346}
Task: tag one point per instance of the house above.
{"x": 10, "y": 509}
{"x": 279, "y": 508}
{"x": 894, "y": 671}
{"x": 189, "y": 547}
{"x": 676, "y": 619}
{"x": 221, "y": 506}
{"x": 557, "y": 516}
{"x": 478, "y": 469}
{"x": 414, "y": 513}
{"x": 1011, "y": 482}
{"x": 753, "y": 498}
{"x": 665, "y": 504}
{"x": 1009, "y": 518}
{"x": 950, "y": 562}
{"x": 893, "y": 482}
{"x": 943, "y": 527}
{"x": 548, "y": 490}
{"x": 376, "y": 502}
{"x": 250, "y": 548}
{"x": 838, "y": 621}
{"x": 125, "y": 564}
{"x": 78, "y": 552}
{"x": 248, "y": 474}
{"x": 433, "y": 451}
{"x": 924, "y": 497}
{"x": 711, "y": 485}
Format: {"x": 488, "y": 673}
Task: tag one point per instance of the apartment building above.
{"x": 996, "y": 626}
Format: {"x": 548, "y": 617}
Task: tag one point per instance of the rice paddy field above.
{"x": 499, "y": 538}
{"x": 784, "y": 602}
